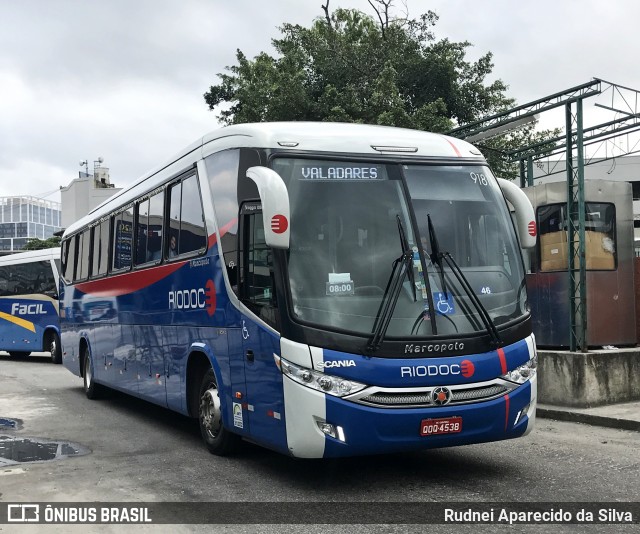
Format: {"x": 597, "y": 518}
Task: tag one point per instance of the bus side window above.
{"x": 122, "y": 237}
{"x": 187, "y": 233}
{"x": 256, "y": 269}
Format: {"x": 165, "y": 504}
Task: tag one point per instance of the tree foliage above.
{"x": 37, "y": 244}
{"x": 352, "y": 67}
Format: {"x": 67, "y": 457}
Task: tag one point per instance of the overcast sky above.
{"x": 124, "y": 79}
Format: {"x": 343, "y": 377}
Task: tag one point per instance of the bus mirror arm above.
{"x": 275, "y": 205}
{"x": 525, "y": 217}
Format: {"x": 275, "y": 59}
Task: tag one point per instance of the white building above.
{"x": 26, "y": 217}
{"x": 85, "y": 193}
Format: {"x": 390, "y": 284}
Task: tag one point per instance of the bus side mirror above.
{"x": 275, "y": 205}
{"x": 525, "y": 217}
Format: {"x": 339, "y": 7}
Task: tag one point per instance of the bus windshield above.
{"x": 344, "y": 241}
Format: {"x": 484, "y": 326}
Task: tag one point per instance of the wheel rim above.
{"x": 210, "y": 414}
{"x": 87, "y": 372}
{"x": 53, "y": 347}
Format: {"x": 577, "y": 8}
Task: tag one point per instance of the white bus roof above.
{"x": 347, "y": 138}
{"x": 30, "y": 256}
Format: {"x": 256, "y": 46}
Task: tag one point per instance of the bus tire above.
{"x": 217, "y": 438}
{"x": 53, "y": 345}
{"x": 91, "y": 389}
{"x": 18, "y": 354}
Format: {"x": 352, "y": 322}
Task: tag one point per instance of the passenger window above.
{"x": 68, "y": 258}
{"x": 154, "y": 227}
{"x": 142, "y": 210}
{"x": 187, "y": 232}
{"x": 95, "y": 249}
{"x": 103, "y": 261}
{"x": 122, "y": 240}
{"x": 82, "y": 263}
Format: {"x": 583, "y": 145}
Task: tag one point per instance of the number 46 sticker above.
{"x": 485, "y": 290}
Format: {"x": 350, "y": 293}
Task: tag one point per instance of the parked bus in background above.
{"x": 320, "y": 289}
{"x": 29, "y": 303}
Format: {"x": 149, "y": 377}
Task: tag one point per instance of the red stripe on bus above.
{"x": 454, "y": 147}
{"x": 213, "y": 238}
{"x": 503, "y": 361}
{"x": 506, "y": 417}
{"x": 122, "y": 284}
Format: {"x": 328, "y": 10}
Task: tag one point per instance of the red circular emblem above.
{"x": 467, "y": 368}
{"x": 279, "y": 224}
{"x": 210, "y": 297}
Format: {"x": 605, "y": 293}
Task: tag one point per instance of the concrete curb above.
{"x": 587, "y": 419}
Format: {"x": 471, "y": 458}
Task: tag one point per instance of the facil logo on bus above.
{"x": 193, "y": 299}
{"x": 27, "y": 309}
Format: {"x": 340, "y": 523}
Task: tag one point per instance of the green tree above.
{"x": 352, "y": 67}
{"x": 36, "y": 244}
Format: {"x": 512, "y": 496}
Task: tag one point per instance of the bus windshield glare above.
{"x": 344, "y": 241}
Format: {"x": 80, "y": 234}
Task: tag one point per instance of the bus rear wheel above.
{"x": 91, "y": 389}
{"x": 18, "y": 354}
{"x": 216, "y": 437}
{"x": 53, "y": 342}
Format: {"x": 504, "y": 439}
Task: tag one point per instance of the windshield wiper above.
{"x": 436, "y": 257}
{"x": 407, "y": 249}
{"x": 403, "y": 265}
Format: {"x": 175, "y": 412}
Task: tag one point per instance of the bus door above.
{"x": 264, "y": 401}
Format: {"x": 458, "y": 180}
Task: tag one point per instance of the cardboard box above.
{"x": 553, "y": 251}
{"x": 553, "y": 237}
{"x": 598, "y": 252}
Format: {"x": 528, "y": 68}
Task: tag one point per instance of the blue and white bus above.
{"x": 320, "y": 289}
{"x": 29, "y": 303}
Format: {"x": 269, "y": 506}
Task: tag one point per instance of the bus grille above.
{"x": 423, "y": 399}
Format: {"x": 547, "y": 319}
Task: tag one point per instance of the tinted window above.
{"x": 156, "y": 218}
{"x": 187, "y": 232}
{"x": 192, "y": 233}
{"x": 257, "y": 268}
{"x": 100, "y": 249}
{"x": 122, "y": 239}
{"x": 67, "y": 258}
{"x": 82, "y": 264}
{"x": 141, "y": 234}
{"x": 104, "y": 248}
{"x": 95, "y": 250}
{"x": 27, "y": 279}
{"x": 149, "y": 235}
{"x": 222, "y": 169}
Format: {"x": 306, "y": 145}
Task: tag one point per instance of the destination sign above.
{"x": 341, "y": 173}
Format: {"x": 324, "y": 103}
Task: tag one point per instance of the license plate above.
{"x": 444, "y": 425}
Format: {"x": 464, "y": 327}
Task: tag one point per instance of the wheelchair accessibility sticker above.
{"x": 443, "y": 303}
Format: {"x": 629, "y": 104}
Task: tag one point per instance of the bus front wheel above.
{"x": 218, "y": 439}
{"x": 53, "y": 343}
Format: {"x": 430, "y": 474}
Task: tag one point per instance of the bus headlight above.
{"x": 523, "y": 373}
{"x": 333, "y": 385}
